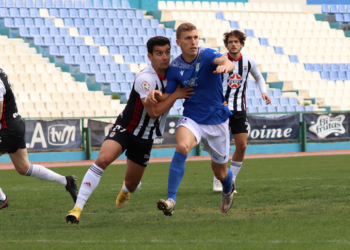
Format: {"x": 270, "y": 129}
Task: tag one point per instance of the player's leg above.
{"x": 132, "y": 182}
{"x": 24, "y": 167}
{"x": 4, "y": 202}
{"x": 187, "y": 137}
{"x": 238, "y": 156}
{"x": 110, "y": 151}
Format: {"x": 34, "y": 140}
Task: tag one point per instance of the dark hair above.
{"x": 184, "y": 27}
{"x": 236, "y": 33}
{"x": 157, "y": 41}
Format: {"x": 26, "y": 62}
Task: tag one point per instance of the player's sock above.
{"x": 227, "y": 182}
{"x": 235, "y": 167}
{"x": 42, "y": 173}
{"x": 126, "y": 190}
{"x": 176, "y": 172}
{"x": 2, "y": 195}
{"x": 90, "y": 182}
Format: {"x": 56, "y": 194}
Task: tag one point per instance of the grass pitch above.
{"x": 282, "y": 203}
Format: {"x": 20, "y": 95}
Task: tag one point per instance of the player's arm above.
{"x": 260, "y": 81}
{"x": 2, "y": 93}
{"x": 1, "y": 107}
{"x": 224, "y": 65}
{"x": 156, "y": 110}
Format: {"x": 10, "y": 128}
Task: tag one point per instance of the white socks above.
{"x": 42, "y": 173}
{"x": 235, "y": 167}
{"x": 125, "y": 189}
{"x": 89, "y": 184}
{"x": 2, "y": 195}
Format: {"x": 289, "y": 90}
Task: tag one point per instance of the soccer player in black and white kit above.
{"x": 134, "y": 129}
{"x": 234, "y": 87}
{"x": 12, "y": 130}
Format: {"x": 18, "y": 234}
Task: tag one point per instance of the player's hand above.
{"x": 151, "y": 97}
{"x": 225, "y": 104}
{"x": 266, "y": 98}
{"x": 185, "y": 92}
{"x": 221, "y": 69}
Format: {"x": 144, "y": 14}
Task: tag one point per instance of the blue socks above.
{"x": 227, "y": 183}
{"x": 176, "y": 172}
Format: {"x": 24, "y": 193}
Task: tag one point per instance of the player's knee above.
{"x": 103, "y": 161}
{"x": 21, "y": 171}
{"x": 183, "y": 148}
{"x": 242, "y": 146}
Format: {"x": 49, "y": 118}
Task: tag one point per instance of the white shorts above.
{"x": 215, "y": 138}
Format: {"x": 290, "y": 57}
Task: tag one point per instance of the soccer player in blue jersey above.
{"x": 204, "y": 118}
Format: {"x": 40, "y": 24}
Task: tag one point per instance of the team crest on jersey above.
{"x": 245, "y": 68}
{"x": 197, "y": 66}
{"x": 234, "y": 81}
{"x": 182, "y": 72}
{"x": 111, "y": 134}
{"x": 145, "y": 86}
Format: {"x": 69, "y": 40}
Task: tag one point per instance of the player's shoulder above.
{"x": 147, "y": 74}
{"x": 176, "y": 63}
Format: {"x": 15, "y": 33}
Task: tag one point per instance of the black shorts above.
{"x": 137, "y": 149}
{"x": 12, "y": 137}
{"x": 239, "y": 122}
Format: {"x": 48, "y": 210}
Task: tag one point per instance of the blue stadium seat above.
{"x": 83, "y": 31}
{"x": 257, "y": 93}
{"x": 129, "y": 77}
{"x": 68, "y": 22}
{"x": 48, "y": 22}
{"x": 326, "y": 67}
{"x": 325, "y": 75}
{"x": 98, "y": 22}
{"x": 73, "y": 50}
{"x": 4, "y": 12}
{"x": 58, "y": 40}
{"x": 121, "y": 14}
{"x": 299, "y": 108}
{"x": 110, "y": 77}
{"x": 339, "y": 18}
{"x": 19, "y": 4}
{"x": 252, "y": 110}
{"x": 169, "y": 32}
{"x": 63, "y": 13}
{"x": 124, "y": 68}
{"x": 342, "y": 75}
{"x": 38, "y": 41}
{"x": 68, "y": 59}
{"x": 93, "y": 50}
{"x": 24, "y": 12}
{"x": 94, "y": 68}
{"x": 92, "y": 13}
{"x": 88, "y": 22}
{"x": 309, "y": 108}
{"x": 145, "y": 23}
{"x": 234, "y": 25}
{"x": 99, "y": 59}
{"x": 53, "y": 50}
{"x": 293, "y": 101}
{"x": 279, "y": 50}
{"x": 256, "y": 102}
{"x": 111, "y": 13}
{"x": 173, "y": 111}
{"x": 130, "y": 14}
{"x": 150, "y": 32}
{"x": 333, "y": 75}
{"x": 73, "y": 13}
{"x": 112, "y": 32}
{"x": 63, "y": 50}
{"x": 99, "y": 40}
{"x": 103, "y": 31}
{"x": 93, "y": 31}
{"x": 126, "y": 23}
{"x": 125, "y": 5}
{"x": 249, "y": 33}
{"x": 262, "y": 109}
{"x": 128, "y": 40}
{"x": 137, "y": 40}
{"x": 280, "y": 109}
{"x": 348, "y": 75}
{"x": 284, "y": 101}
{"x": 34, "y": 13}
{"x": 23, "y": 31}
{"x": 133, "y": 50}
{"x": 275, "y": 101}
{"x": 138, "y": 59}
{"x": 333, "y": 9}
{"x": 9, "y": 3}
{"x": 317, "y": 67}
{"x": 249, "y": 102}
{"x": 135, "y": 23}
{"x": 113, "y": 50}
{"x": 271, "y": 109}
{"x": 19, "y": 22}
{"x": 334, "y": 67}
{"x": 269, "y": 92}
{"x": 68, "y": 4}
{"x": 87, "y": 4}
{"x": 128, "y": 59}
{"x": 84, "y": 68}
{"x": 115, "y": 87}
{"x": 116, "y": 4}
{"x": 114, "y": 67}
{"x": 250, "y": 93}
{"x": 264, "y": 41}
{"x": 33, "y": 31}
{"x": 49, "y": 4}
{"x": 325, "y": 8}
{"x": 99, "y": 77}
{"x": 132, "y": 31}
{"x": 154, "y": 23}
{"x": 108, "y": 41}
{"x": 97, "y": 4}
{"x": 139, "y": 14}
{"x": 120, "y": 77}
{"x": 14, "y": 12}
{"x": 346, "y": 18}
{"x": 29, "y": 3}
{"x": 124, "y": 86}
{"x": 118, "y": 40}
{"x": 293, "y": 59}
{"x": 83, "y": 13}
{"x": 107, "y": 23}
{"x": 106, "y": 4}
{"x": 290, "y": 109}
{"x": 78, "y": 22}
{"x": 89, "y": 59}
{"x": 117, "y": 23}
{"x": 220, "y": 16}
{"x": 48, "y": 41}
{"x": 59, "y": 4}
{"x": 342, "y": 67}
{"x": 78, "y": 4}
{"x": 39, "y": 4}
{"x": 143, "y": 50}
{"x": 308, "y": 66}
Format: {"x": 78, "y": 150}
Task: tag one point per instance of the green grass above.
{"x": 282, "y": 203}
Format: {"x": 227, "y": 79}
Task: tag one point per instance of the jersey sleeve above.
{"x": 211, "y": 55}
{"x": 257, "y": 75}
{"x": 144, "y": 84}
{"x": 172, "y": 81}
{"x": 2, "y": 90}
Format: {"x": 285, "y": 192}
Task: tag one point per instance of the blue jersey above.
{"x": 205, "y": 106}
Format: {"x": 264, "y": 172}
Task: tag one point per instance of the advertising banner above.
{"x": 53, "y": 135}
{"x": 262, "y": 128}
{"x": 325, "y": 126}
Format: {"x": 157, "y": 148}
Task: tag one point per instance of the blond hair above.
{"x": 184, "y": 27}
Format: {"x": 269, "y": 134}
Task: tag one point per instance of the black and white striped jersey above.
{"x": 235, "y": 83}
{"x": 134, "y": 117}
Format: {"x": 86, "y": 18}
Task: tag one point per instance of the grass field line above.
{"x": 105, "y": 241}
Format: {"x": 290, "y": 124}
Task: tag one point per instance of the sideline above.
{"x": 190, "y": 158}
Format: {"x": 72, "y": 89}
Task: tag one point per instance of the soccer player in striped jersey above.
{"x": 204, "y": 118}
{"x": 134, "y": 129}
{"x": 234, "y": 87}
{"x": 12, "y": 132}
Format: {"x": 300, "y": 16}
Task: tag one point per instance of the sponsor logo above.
{"x": 145, "y": 86}
{"x": 182, "y": 72}
{"x": 268, "y": 133}
{"x": 146, "y": 156}
{"x": 197, "y": 66}
{"x": 190, "y": 82}
{"x": 235, "y": 81}
{"x": 87, "y": 184}
{"x": 15, "y": 115}
{"x": 61, "y": 134}
{"x": 145, "y": 163}
{"x": 158, "y": 141}
{"x": 327, "y": 125}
